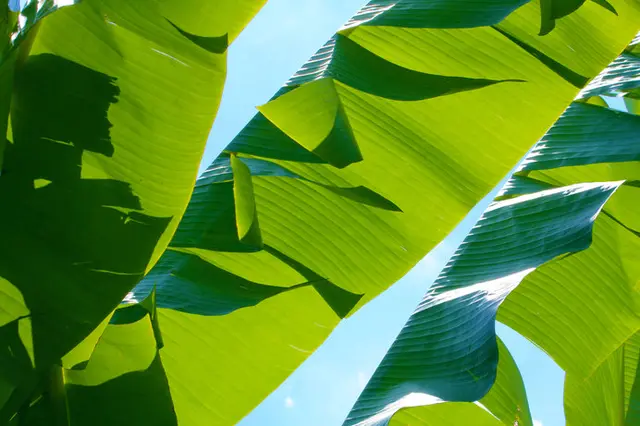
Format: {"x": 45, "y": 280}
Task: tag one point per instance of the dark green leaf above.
{"x": 435, "y": 13}
{"x": 621, "y": 76}
{"x": 587, "y": 134}
{"x": 447, "y": 350}
{"x": 505, "y": 405}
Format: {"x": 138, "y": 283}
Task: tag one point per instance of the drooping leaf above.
{"x": 211, "y": 19}
{"x": 314, "y": 117}
{"x": 357, "y": 67}
{"x": 447, "y": 350}
{"x": 583, "y": 311}
{"x": 543, "y": 308}
{"x": 212, "y": 44}
{"x": 268, "y": 141}
{"x": 505, "y": 404}
{"x": 550, "y": 306}
{"x": 245, "y": 205}
{"x": 124, "y": 382}
{"x": 220, "y": 171}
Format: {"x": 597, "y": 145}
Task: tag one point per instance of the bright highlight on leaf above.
{"x": 448, "y": 349}
{"x": 580, "y": 308}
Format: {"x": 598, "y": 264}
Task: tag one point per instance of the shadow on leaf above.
{"x": 73, "y": 247}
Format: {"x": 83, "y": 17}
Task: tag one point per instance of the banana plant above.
{"x": 106, "y": 107}
{"x": 362, "y": 163}
{"x": 549, "y": 259}
{"x": 329, "y": 195}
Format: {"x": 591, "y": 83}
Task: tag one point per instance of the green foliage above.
{"x": 505, "y": 404}
{"x": 348, "y": 176}
{"x": 580, "y": 306}
{"x": 338, "y": 126}
{"x": 109, "y": 104}
{"x": 447, "y": 350}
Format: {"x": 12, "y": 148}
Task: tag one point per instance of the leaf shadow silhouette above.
{"x": 134, "y": 398}
{"x": 73, "y": 247}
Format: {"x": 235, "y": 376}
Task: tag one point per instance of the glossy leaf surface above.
{"x": 581, "y": 309}
{"x": 339, "y": 173}
{"x": 347, "y": 162}
{"x": 505, "y": 404}
{"x": 447, "y": 350}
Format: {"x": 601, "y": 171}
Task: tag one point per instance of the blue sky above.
{"x": 321, "y": 392}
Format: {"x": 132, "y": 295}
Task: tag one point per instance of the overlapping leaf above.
{"x": 622, "y": 77}
{"x": 585, "y": 311}
{"x": 110, "y": 107}
{"x": 337, "y": 160}
{"x": 611, "y": 395}
{"x": 550, "y": 307}
{"x": 347, "y": 162}
{"x": 447, "y": 350}
{"x": 582, "y": 309}
{"x": 505, "y": 404}
{"x": 587, "y": 134}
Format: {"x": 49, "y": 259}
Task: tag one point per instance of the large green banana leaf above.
{"x": 361, "y": 164}
{"x": 587, "y": 308}
{"x": 606, "y": 277}
{"x": 581, "y": 309}
{"x": 611, "y": 395}
{"x": 505, "y": 404}
{"x": 549, "y": 307}
{"x": 447, "y": 350}
{"x": 585, "y": 311}
{"x": 621, "y": 77}
{"x": 109, "y": 104}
